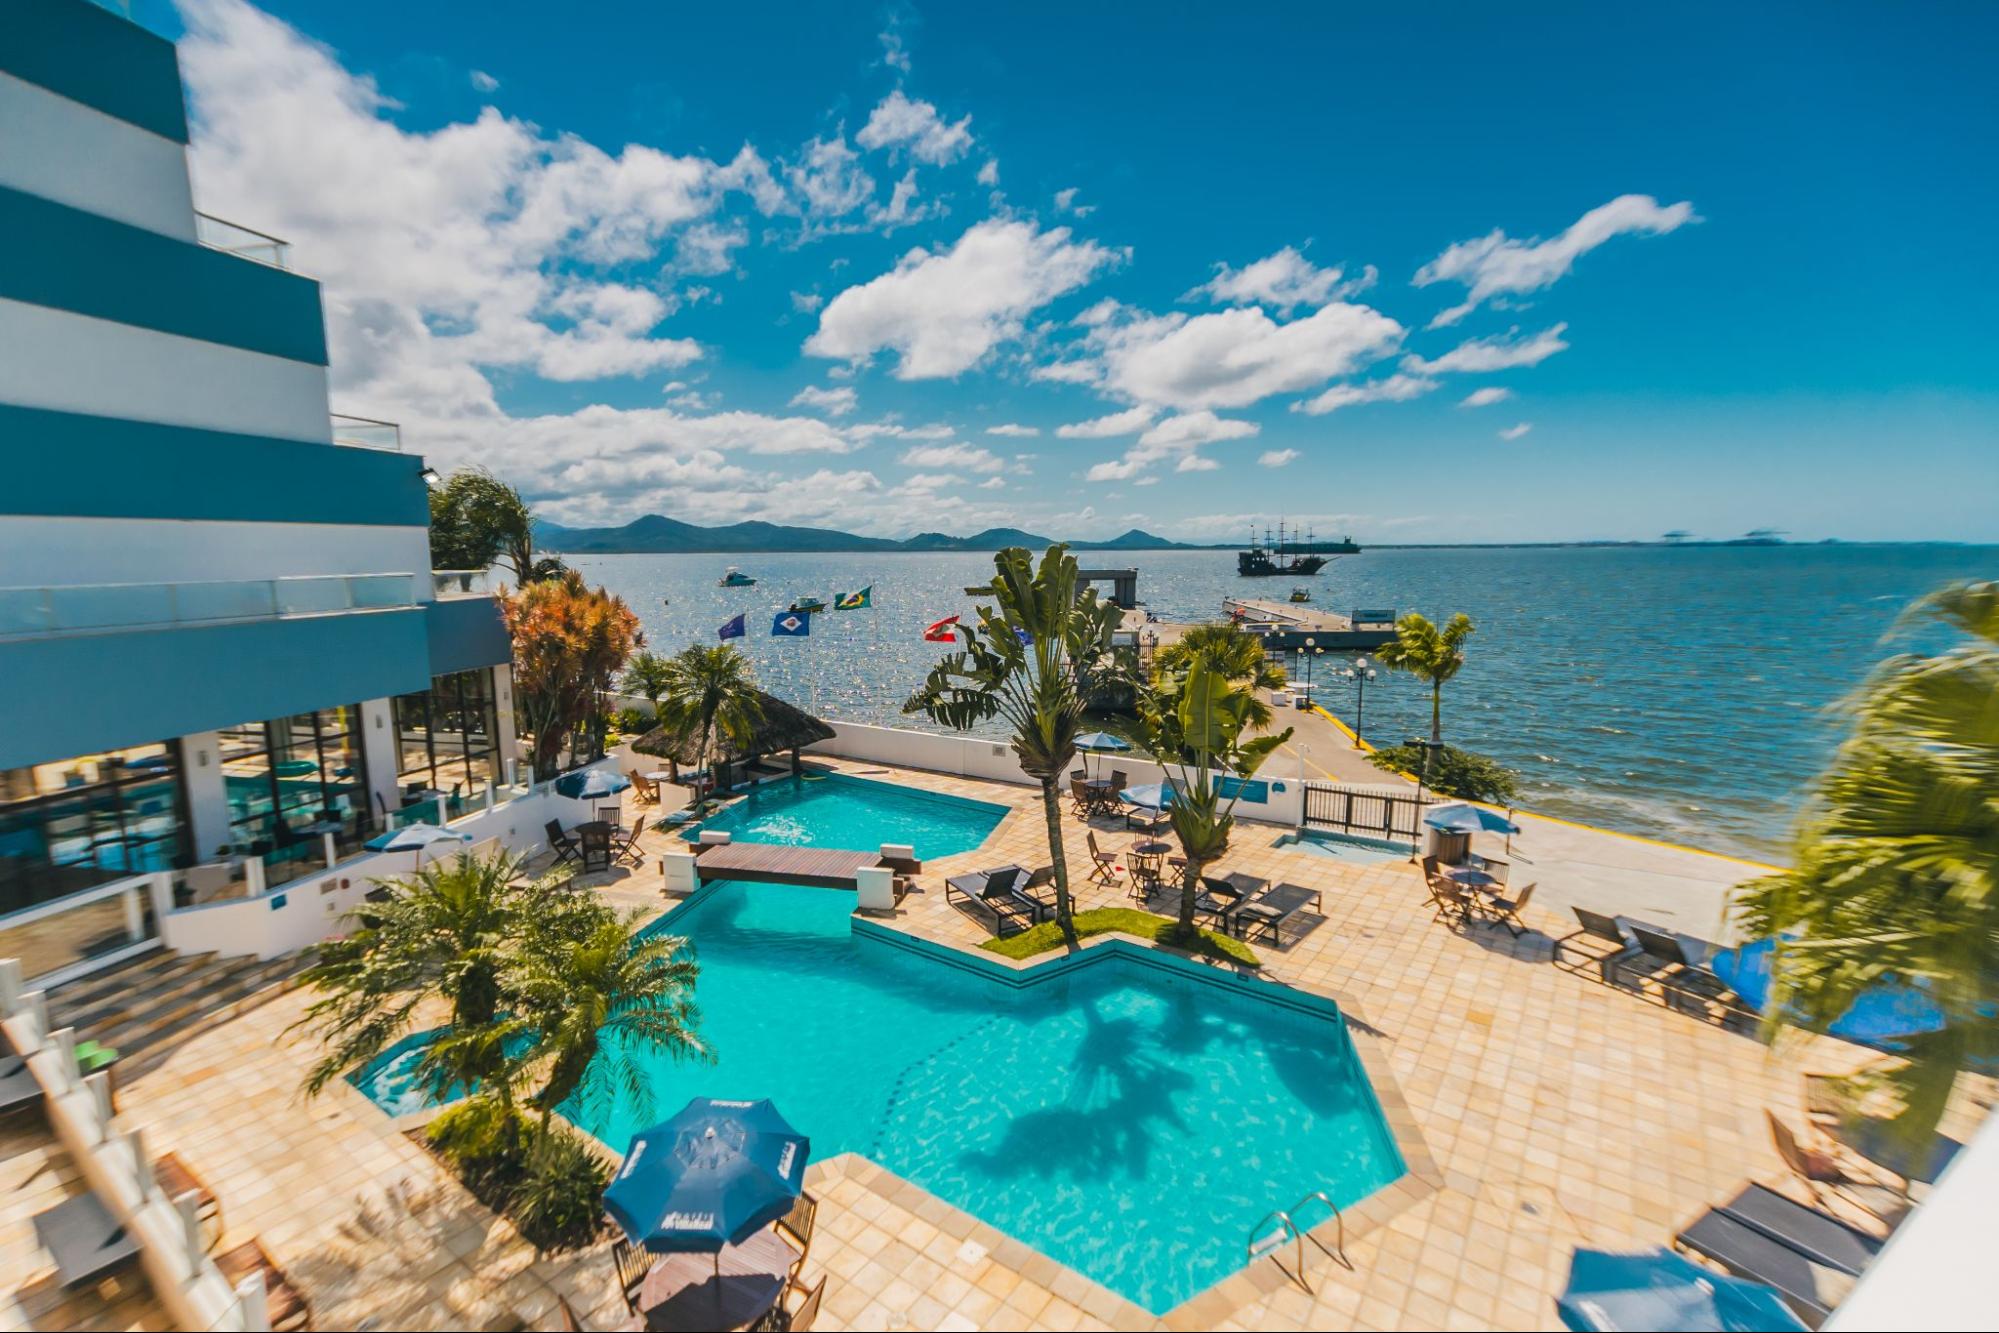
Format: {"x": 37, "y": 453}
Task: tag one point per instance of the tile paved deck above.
{"x": 1552, "y": 1111}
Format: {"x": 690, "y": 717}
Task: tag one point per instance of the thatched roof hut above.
{"x": 781, "y": 727}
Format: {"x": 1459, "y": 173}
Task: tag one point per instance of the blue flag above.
{"x": 1026, "y": 639}
{"x": 791, "y": 624}
{"x": 732, "y": 629}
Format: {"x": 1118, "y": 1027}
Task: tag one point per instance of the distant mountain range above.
{"x": 656, "y": 533}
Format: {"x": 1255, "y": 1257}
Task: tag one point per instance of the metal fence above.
{"x": 1362, "y": 810}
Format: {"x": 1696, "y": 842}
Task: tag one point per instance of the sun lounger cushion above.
{"x": 1820, "y": 1237}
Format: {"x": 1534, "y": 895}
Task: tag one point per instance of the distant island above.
{"x": 657, "y": 534}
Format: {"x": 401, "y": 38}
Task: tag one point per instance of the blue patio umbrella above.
{"x": 1660, "y": 1290}
{"x": 591, "y": 784}
{"x": 1148, "y": 796}
{"x": 1100, "y": 742}
{"x": 712, "y": 1175}
{"x": 414, "y": 838}
{"x": 1469, "y": 819}
{"x": 1877, "y": 1016}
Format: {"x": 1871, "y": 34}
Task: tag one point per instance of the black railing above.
{"x": 1353, "y": 810}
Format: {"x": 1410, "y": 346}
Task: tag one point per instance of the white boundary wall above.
{"x": 995, "y": 761}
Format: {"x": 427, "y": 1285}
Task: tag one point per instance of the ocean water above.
{"x": 1679, "y": 693}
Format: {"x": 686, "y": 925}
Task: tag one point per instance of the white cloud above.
{"x": 1232, "y": 358}
{"x": 1486, "y": 397}
{"x": 1515, "y": 432}
{"x": 944, "y": 311}
{"x": 835, "y": 402}
{"x": 484, "y": 82}
{"x": 1496, "y": 264}
{"x": 894, "y": 54}
{"x": 829, "y": 179}
{"x": 993, "y": 484}
{"x": 1191, "y": 429}
{"x": 1393, "y": 389}
{"x": 1102, "y": 428}
{"x": 1065, "y": 202}
{"x": 1196, "y": 463}
{"x": 1013, "y": 430}
{"x": 901, "y": 122}
{"x": 806, "y": 303}
{"x": 1500, "y": 352}
{"x": 1277, "y": 457}
{"x": 1283, "y": 281}
{"x": 989, "y": 173}
{"x": 968, "y": 457}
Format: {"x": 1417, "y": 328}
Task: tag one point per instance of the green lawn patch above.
{"x": 1126, "y": 920}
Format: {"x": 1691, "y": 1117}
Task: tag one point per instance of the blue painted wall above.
{"x": 73, "y": 260}
{"x": 466, "y": 632}
{"x": 73, "y": 695}
{"x": 65, "y": 464}
{"x": 92, "y": 56}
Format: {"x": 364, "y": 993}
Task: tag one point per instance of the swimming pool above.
{"x": 1351, "y": 848}
{"x": 1128, "y": 1114}
{"x": 834, "y": 810}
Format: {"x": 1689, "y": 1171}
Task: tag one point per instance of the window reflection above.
{"x": 77, "y": 823}
{"x": 448, "y": 740}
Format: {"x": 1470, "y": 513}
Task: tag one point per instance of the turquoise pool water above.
{"x": 1128, "y": 1115}
{"x": 834, "y": 810}
{"x": 1350, "y": 848}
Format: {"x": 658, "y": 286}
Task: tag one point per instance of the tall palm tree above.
{"x": 1431, "y": 655}
{"x": 1196, "y": 721}
{"x": 1897, "y": 860}
{"x": 440, "y": 933}
{"x": 596, "y": 1002}
{"x": 710, "y": 692}
{"x": 1233, "y": 651}
{"x": 1021, "y": 663}
{"x": 647, "y": 675}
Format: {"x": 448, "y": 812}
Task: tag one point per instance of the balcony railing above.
{"x": 367, "y": 433}
{"x": 81, "y": 608}
{"x": 246, "y": 242}
{"x": 446, "y": 583}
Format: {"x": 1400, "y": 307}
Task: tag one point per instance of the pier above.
{"x": 1286, "y": 625}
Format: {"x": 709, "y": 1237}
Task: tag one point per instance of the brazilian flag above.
{"x": 855, "y": 601}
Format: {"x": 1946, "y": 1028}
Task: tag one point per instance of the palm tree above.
{"x": 710, "y": 692}
{"x": 1431, "y": 655}
{"x": 575, "y": 992}
{"x": 1021, "y": 663}
{"x": 1897, "y": 860}
{"x": 1233, "y": 651}
{"x": 440, "y": 933}
{"x": 648, "y": 675}
{"x": 1195, "y": 721}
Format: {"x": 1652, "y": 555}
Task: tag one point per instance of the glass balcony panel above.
{"x": 105, "y": 606}
{"x": 297, "y": 597}
{"x": 240, "y": 600}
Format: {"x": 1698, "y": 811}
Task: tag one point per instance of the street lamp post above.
{"x": 1360, "y": 673}
{"x": 1308, "y": 666}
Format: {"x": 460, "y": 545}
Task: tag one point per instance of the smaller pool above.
{"x": 1348, "y": 847}
{"x": 833, "y": 810}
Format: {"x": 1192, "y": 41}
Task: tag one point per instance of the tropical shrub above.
{"x": 558, "y": 1201}
{"x": 1453, "y": 772}
{"x": 570, "y": 642}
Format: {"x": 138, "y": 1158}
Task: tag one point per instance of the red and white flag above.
{"x": 944, "y": 631}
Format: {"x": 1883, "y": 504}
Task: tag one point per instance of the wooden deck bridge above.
{"x": 767, "y": 863}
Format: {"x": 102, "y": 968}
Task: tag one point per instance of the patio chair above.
{"x": 593, "y": 846}
{"x": 1828, "y": 1180}
{"x": 1810, "y": 1289}
{"x": 1082, "y": 801}
{"x": 795, "y": 1228}
{"x": 627, "y": 844}
{"x": 783, "y": 1318}
{"x": 1269, "y": 911}
{"x": 1141, "y": 820}
{"x": 1455, "y": 904}
{"x": 566, "y": 848}
{"x": 1506, "y": 911}
{"x": 286, "y": 1303}
{"x": 176, "y": 1178}
{"x": 647, "y": 789}
{"x": 1103, "y": 864}
{"x": 1829, "y": 1100}
{"x": 1600, "y": 943}
{"x": 634, "y": 1264}
{"x": 1119, "y": 780}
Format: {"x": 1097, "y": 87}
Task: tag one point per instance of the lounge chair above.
{"x": 1103, "y": 864}
{"x": 565, "y": 847}
{"x": 1828, "y": 1180}
{"x": 1269, "y": 911}
{"x": 1220, "y": 898}
{"x": 1039, "y": 887}
{"x": 1820, "y": 1237}
{"x": 1682, "y": 977}
{"x": 994, "y": 891}
{"x": 287, "y": 1305}
{"x": 1506, "y": 911}
{"x": 1600, "y": 944}
{"x": 1810, "y": 1289}
{"x": 84, "y": 1238}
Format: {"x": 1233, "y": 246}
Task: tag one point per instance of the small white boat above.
{"x": 736, "y": 578}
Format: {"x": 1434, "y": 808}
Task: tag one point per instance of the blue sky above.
{"x": 1728, "y": 266}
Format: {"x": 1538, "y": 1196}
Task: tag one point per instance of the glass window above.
{"x": 292, "y": 779}
{"x": 72, "y": 825}
{"x": 448, "y": 738}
